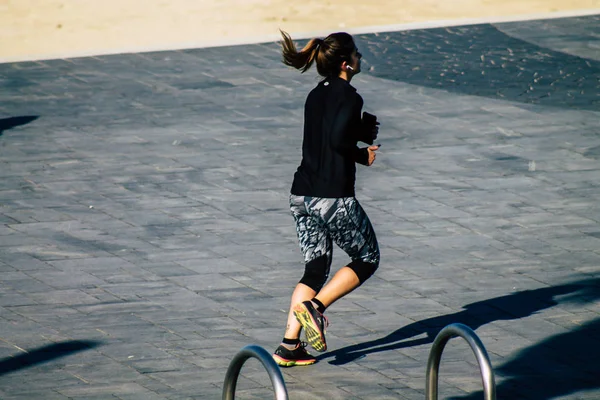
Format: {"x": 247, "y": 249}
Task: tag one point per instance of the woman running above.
{"x": 322, "y": 198}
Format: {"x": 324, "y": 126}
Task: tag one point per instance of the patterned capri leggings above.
{"x": 322, "y": 221}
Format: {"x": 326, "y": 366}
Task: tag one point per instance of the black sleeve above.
{"x": 361, "y": 156}
{"x": 347, "y": 125}
{"x": 361, "y": 129}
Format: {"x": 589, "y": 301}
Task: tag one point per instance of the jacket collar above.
{"x": 336, "y": 80}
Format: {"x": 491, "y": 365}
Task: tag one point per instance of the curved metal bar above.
{"x": 235, "y": 366}
{"x": 435, "y": 356}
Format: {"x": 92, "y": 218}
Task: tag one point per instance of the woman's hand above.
{"x": 372, "y": 155}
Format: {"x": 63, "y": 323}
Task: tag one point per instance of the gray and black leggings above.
{"x": 322, "y": 221}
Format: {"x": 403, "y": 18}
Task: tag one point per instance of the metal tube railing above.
{"x": 435, "y": 356}
{"x": 235, "y": 366}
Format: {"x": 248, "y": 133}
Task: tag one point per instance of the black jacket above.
{"x": 332, "y": 128}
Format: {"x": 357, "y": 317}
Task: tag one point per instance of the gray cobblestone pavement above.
{"x": 145, "y": 235}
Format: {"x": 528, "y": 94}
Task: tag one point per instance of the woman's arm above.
{"x": 348, "y": 126}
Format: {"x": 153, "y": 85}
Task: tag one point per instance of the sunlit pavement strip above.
{"x": 145, "y": 235}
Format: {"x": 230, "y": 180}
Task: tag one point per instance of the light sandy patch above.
{"x": 42, "y": 29}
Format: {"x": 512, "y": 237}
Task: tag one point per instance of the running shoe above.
{"x": 314, "y": 324}
{"x": 290, "y": 358}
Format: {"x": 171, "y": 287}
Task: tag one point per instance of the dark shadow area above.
{"x": 9, "y": 123}
{"x": 556, "y": 367}
{"x": 45, "y": 354}
{"x": 480, "y": 60}
{"x": 510, "y": 307}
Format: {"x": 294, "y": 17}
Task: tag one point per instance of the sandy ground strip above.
{"x": 45, "y": 29}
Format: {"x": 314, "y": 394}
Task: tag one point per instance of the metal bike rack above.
{"x": 435, "y": 356}
{"x": 433, "y": 365}
{"x": 235, "y": 366}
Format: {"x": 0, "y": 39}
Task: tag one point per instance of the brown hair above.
{"x": 328, "y": 53}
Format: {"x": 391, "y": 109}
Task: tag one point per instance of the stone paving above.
{"x": 145, "y": 235}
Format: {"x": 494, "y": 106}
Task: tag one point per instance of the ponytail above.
{"x": 327, "y": 53}
{"x": 303, "y": 59}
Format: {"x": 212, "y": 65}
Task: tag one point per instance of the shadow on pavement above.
{"x": 12, "y": 122}
{"x": 481, "y": 60}
{"x": 510, "y": 307}
{"x": 558, "y": 366}
{"x": 543, "y": 371}
{"x": 45, "y": 354}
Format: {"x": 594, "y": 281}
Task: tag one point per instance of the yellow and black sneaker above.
{"x": 290, "y": 358}
{"x": 314, "y": 324}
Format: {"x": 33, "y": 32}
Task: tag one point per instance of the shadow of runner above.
{"x": 510, "y": 307}
{"x": 12, "y": 122}
{"x": 45, "y": 354}
{"x": 556, "y": 367}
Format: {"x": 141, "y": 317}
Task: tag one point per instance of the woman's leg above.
{"x": 316, "y": 246}
{"x": 347, "y": 223}
{"x": 349, "y": 226}
{"x": 353, "y": 232}
{"x": 343, "y": 282}
{"x": 301, "y": 293}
